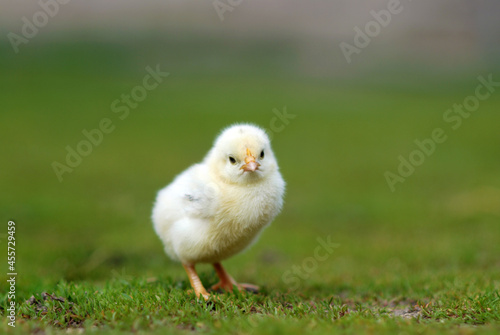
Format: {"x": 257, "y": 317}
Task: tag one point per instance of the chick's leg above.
{"x": 195, "y": 281}
{"x": 227, "y": 282}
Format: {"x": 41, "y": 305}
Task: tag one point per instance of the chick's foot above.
{"x": 227, "y": 282}
{"x": 195, "y": 281}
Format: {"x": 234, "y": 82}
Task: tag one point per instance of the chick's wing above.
{"x": 198, "y": 194}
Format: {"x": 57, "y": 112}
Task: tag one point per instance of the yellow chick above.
{"x": 217, "y": 208}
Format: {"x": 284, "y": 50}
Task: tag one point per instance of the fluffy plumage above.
{"x": 217, "y": 208}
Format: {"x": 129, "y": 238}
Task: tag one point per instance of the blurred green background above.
{"x": 441, "y": 227}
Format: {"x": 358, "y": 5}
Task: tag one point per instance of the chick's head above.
{"x": 242, "y": 154}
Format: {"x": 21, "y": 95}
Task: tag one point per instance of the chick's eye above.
{"x": 262, "y": 154}
{"x": 232, "y": 160}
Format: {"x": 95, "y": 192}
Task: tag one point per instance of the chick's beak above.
{"x": 250, "y": 163}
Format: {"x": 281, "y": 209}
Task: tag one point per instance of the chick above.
{"x": 217, "y": 208}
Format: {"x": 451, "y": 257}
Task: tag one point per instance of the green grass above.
{"x": 429, "y": 249}
{"x": 126, "y": 304}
